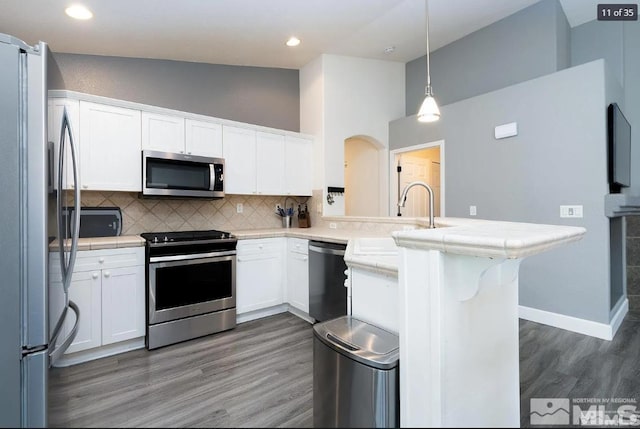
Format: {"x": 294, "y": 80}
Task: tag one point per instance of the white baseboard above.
{"x": 100, "y": 352}
{"x": 581, "y": 326}
{"x": 301, "y": 314}
{"x": 263, "y": 312}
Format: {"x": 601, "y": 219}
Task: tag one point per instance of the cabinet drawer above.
{"x": 88, "y": 260}
{"x": 258, "y": 246}
{"x": 298, "y": 245}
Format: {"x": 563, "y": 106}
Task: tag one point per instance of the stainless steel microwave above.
{"x": 169, "y": 174}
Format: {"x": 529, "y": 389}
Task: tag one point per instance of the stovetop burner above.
{"x": 186, "y": 236}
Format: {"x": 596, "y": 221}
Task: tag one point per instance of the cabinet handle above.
{"x": 238, "y": 260}
{"x": 260, "y": 246}
{"x": 107, "y": 274}
{"x": 304, "y": 258}
{"x": 94, "y": 275}
{"x": 181, "y": 151}
{"x": 101, "y": 260}
{"x": 188, "y": 153}
{"x": 85, "y": 186}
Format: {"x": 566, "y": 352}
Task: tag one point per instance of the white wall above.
{"x": 311, "y": 117}
{"x": 359, "y": 97}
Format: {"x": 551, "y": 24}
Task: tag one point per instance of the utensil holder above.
{"x": 286, "y": 221}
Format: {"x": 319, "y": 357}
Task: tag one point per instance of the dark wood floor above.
{"x": 260, "y": 375}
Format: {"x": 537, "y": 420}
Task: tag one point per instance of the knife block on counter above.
{"x": 304, "y": 221}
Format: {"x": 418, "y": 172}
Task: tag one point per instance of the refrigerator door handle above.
{"x": 66, "y": 266}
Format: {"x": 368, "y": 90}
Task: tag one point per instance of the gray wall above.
{"x": 557, "y": 158}
{"x": 598, "y": 39}
{"x": 530, "y": 43}
{"x": 256, "y": 95}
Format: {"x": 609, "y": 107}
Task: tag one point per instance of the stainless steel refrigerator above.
{"x": 25, "y": 183}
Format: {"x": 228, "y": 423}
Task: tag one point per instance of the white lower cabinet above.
{"x": 259, "y": 274}
{"x": 108, "y": 286}
{"x": 298, "y": 273}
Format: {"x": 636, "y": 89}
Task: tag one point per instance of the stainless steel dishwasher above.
{"x": 327, "y": 293}
{"x": 355, "y": 375}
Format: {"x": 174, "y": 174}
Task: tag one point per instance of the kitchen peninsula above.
{"x": 458, "y": 315}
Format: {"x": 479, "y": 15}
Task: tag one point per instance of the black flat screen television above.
{"x": 618, "y": 148}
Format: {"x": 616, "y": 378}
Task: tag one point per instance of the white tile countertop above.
{"x": 98, "y": 243}
{"x": 341, "y": 236}
{"x": 493, "y": 239}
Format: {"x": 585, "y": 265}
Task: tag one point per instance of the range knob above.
{"x": 166, "y": 238}
{"x": 223, "y": 236}
{"x": 155, "y": 239}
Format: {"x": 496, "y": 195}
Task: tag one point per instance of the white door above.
{"x": 163, "y": 133}
{"x": 85, "y": 292}
{"x": 239, "y": 149}
{"x": 298, "y": 280}
{"x": 123, "y": 304}
{"x": 203, "y": 138}
{"x": 298, "y": 166}
{"x": 109, "y": 148}
{"x": 415, "y": 169}
{"x": 270, "y": 164}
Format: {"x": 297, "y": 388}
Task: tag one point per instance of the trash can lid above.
{"x": 361, "y": 341}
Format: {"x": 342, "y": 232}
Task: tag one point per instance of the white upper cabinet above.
{"x": 162, "y": 133}
{"x": 109, "y": 141}
{"x": 56, "y": 109}
{"x": 298, "y": 166}
{"x": 203, "y": 138}
{"x": 270, "y": 164}
{"x": 239, "y": 150}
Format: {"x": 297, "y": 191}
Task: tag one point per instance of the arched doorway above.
{"x": 362, "y": 176}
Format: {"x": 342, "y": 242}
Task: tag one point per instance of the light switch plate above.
{"x": 472, "y": 211}
{"x": 239, "y": 208}
{"x": 571, "y": 211}
{"x": 506, "y": 130}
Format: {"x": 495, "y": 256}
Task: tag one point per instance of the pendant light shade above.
{"x": 429, "y": 111}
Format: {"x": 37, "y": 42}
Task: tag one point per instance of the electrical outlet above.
{"x": 319, "y": 208}
{"x": 333, "y": 225}
{"x": 277, "y": 207}
{"x": 473, "y": 211}
{"x": 571, "y": 211}
{"x": 239, "y": 208}
{"x": 408, "y": 227}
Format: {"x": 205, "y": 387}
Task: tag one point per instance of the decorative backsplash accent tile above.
{"x": 154, "y": 214}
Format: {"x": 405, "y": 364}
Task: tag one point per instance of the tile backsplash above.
{"x": 155, "y": 214}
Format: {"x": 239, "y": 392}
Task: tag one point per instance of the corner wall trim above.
{"x": 605, "y": 331}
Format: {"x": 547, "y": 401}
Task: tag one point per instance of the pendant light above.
{"x": 429, "y": 111}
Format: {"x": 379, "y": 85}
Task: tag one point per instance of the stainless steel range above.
{"x": 191, "y": 285}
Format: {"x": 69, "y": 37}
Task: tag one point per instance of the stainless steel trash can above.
{"x": 355, "y": 375}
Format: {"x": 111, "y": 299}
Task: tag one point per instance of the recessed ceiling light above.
{"x": 389, "y": 49}
{"x": 293, "y": 41}
{"x": 78, "y": 11}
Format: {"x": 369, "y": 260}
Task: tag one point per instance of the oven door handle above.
{"x": 172, "y": 258}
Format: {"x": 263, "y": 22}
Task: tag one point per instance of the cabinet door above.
{"x": 298, "y": 166}
{"x": 56, "y": 108}
{"x": 123, "y": 304}
{"x": 270, "y": 168}
{"x": 298, "y": 280}
{"x": 203, "y": 138}
{"x": 84, "y": 291}
{"x": 259, "y": 278}
{"x": 162, "y": 132}
{"x": 239, "y": 149}
{"x": 109, "y": 148}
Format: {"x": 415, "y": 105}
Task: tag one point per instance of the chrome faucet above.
{"x": 403, "y": 199}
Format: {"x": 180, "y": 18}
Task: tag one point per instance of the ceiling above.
{"x": 253, "y": 32}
